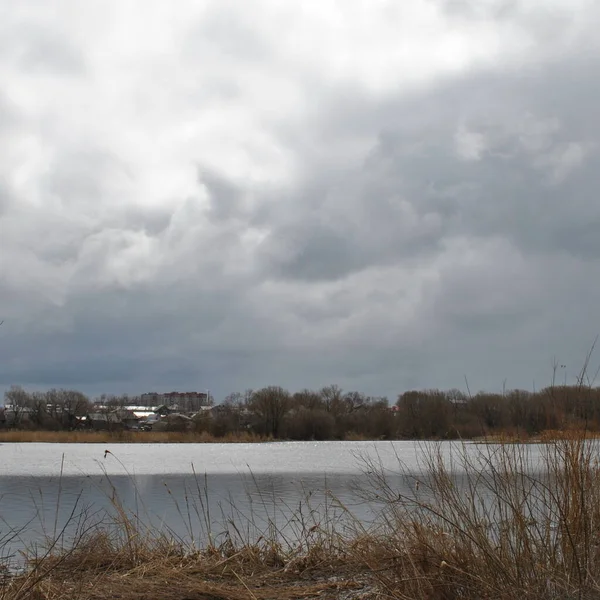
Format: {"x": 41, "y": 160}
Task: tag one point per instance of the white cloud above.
{"x": 470, "y": 145}
{"x": 564, "y": 160}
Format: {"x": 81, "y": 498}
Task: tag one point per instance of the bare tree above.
{"x": 237, "y": 400}
{"x": 309, "y": 399}
{"x": 115, "y": 402}
{"x": 332, "y": 397}
{"x": 64, "y": 406}
{"x": 270, "y": 405}
{"x": 39, "y": 410}
{"x": 18, "y": 400}
{"x": 74, "y": 404}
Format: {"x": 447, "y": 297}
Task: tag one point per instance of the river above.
{"x": 193, "y": 491}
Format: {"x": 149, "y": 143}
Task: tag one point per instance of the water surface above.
{"x": 196, "y": 491}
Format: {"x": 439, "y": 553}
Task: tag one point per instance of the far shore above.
{"x": 126, "y": 437}
{"x": 189, "y": 437}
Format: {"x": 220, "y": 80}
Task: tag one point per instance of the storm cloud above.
{"x": 225, "y": 196}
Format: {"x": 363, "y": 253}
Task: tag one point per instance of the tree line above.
{"x": 331, "y": 413}
{"x": 52, "y": 409}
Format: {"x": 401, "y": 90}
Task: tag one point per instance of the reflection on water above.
{"x": 190, "y": 507}
{"x": 45, "y": 486}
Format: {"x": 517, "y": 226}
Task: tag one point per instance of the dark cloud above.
{"x": 232, "y": 210}
{"x": 223, "y": 195}
{"x": 533, "y": 179}
{"x": 4, "y": 198}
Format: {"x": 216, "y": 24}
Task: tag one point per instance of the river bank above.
{"x": 126, "y": 437}
{"x": 99, "y": 569}
{"x": 190, "y": 437}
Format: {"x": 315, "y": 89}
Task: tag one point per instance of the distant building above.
{"x": 128, "y": 418}
{"x": 151, "y": 399}
{"x": 185, "y": 401}
{"x": 104, "y": 420}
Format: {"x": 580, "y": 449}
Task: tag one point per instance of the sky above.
{"x": 226, "y": 194}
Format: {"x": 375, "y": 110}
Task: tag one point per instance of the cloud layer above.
{"x": 223, "y": 196}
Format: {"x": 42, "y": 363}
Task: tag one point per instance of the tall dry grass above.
{"x": 495, "y": 521}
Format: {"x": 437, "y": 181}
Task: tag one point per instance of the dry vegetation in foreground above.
{"x": 521, "y": 522}
{"x": 100, "y": 569}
